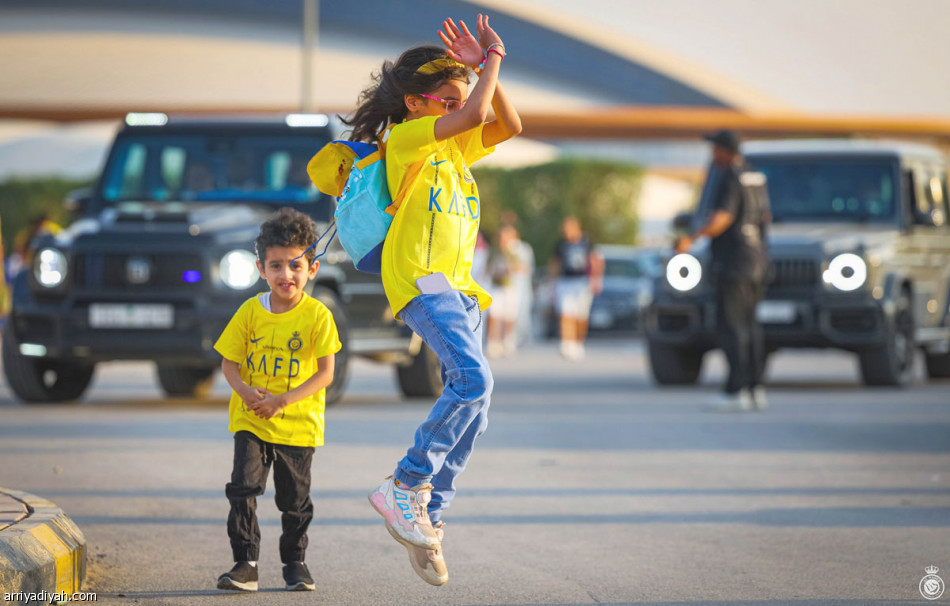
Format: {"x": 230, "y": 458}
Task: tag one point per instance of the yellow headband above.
{"x": 438, "y": 65}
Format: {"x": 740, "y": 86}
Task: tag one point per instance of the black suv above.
{"x": 860, "y": 251}
{"x": 162, "y": 253}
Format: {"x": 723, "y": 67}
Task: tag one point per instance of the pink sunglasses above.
{"x": 450, "y": 104}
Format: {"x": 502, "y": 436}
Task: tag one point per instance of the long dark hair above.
{"x": 382, "y": 103}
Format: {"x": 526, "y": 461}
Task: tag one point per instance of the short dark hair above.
{"x": 726, "y": 139}
{"x": 287, "y": 227}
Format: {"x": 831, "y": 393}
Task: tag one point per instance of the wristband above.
{"x": 495, "y": 45}
{"x": 497, "y": 52}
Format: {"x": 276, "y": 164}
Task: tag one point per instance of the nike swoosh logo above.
{"x": 439, "y": 162}
{"x": 256, "y": 340}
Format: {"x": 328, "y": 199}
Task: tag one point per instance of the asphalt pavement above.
{"x": 591, "y": 486}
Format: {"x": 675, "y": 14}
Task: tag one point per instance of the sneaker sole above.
{"x": 390, "y": 518}
{"x": 301, "y": 587}
{"x": 426, "y": 575}
{"x": 228, "y": 583}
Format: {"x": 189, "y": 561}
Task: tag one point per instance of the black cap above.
{"x": 725, "y": 139}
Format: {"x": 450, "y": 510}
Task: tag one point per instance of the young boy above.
{"x": 278, "y": 352}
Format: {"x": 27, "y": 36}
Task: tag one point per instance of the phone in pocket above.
{"x": 433, "y": 284}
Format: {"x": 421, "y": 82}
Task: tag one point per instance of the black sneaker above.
{"x": 298, "y": 577}
{"x": 243, "y": 577}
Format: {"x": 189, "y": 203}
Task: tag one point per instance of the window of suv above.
{"x": 829, "y": 189}
{"x": 211, "y": 168}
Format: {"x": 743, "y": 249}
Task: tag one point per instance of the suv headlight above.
{"x": 846, "y": 272}
{"x": 239, "y": 269}
{"x": 49, "y": 267}
{"x": 684, "y": 272}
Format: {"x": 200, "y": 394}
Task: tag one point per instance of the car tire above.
{"x": 43, "y": 381}
{"x": 938, "y": 366}
{"x": 672, "y": 365}
{"x": 892, "y": 364}
{"x": 341, "y": 361}
{"x": 422, "y": 378}
{"x": 185, "y": 381}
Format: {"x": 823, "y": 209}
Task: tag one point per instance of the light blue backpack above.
{"x": 356, "y": 174}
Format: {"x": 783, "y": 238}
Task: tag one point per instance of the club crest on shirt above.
{"x": 295, "y": 343}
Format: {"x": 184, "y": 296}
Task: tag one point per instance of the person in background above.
{"x": 736, "y": 225}
{"x": 505, "y": 267}
{"x": 523, "y": 280}
{"x": 22, "y": 257}
{"x": 579, "y": 271}
{"x": 480, "y": 259}
{"x": 4, "y": 291}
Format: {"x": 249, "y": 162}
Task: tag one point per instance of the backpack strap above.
{"x": 409, "y": 181}
{"x": 408, "y": 184}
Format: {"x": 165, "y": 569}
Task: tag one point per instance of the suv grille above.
{"x": 169, "y": 271}
{"x": 794, "y": 273}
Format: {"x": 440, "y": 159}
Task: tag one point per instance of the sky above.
{"x": 830, "y": 56}
{"x": 878, "y": 57}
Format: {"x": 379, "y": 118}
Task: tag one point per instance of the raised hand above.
{"x": 486, "y": 35}
{"x": 461, "y": 45}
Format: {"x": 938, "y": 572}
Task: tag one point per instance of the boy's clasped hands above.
{"x": 261, "y": 402}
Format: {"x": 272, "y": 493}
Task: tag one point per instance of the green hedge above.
{"x": 22, "y": 199}
{"x": 603, "y": 195}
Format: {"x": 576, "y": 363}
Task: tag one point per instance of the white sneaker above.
{"x": 566, "y": 349}
{"x": 572, "y": 350}
{"x": 406, "y": 511}
{"x": 726, "y": 402}
{"x": 429, "y": 564}
{"x": 759, "y": 401}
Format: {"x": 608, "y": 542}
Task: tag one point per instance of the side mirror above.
{"x": 77, "y": 201}
{"x": 683, "y": 222}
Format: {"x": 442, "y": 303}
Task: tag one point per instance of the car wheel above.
{"x": 672, "y": 365}
{"x": 43, "y": 381}
{"x": 423, "y": 377}
{"x": 341, "y": 361}
{"x": 938, "y": 366}
{"x": 892, "y": 363}
{"x": 185, "y": 381}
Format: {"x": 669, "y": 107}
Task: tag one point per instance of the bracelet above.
{"x": 497, "y": 52}
{"x": 495, "y": 45}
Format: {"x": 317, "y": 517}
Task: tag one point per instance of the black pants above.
{"x": 739, "y": 332}
{"x": 252, "y": 461}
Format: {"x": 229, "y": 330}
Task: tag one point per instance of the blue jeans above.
{"x": 450, "y": 323}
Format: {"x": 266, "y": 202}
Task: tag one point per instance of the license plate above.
{"x": 131, "y": 315}
{"x": 776, "y": 312}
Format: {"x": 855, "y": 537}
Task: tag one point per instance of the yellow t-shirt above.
{"x": 278, "y": 352}
{"x": 436, "y": 226}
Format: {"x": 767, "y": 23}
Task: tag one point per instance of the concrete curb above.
{"x": 44, "y": 551}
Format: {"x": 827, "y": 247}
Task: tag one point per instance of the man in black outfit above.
{"x": 738, "y": 216}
